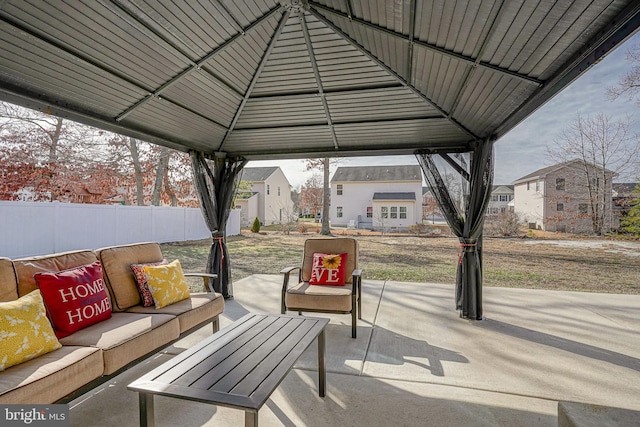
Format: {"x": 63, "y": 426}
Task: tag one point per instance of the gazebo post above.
{"x": 468, "y": 225}
{"x": 215, "y": 190}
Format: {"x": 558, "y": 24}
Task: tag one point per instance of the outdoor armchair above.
{"x": 343, "y": 299}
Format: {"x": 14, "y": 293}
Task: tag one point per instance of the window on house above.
{"x": 583, "y": 208}
{"x": 537, "y": 186}
{"x": 494, "y": 198}
{"x": 268, "y": 189}
{"x": 560, "y": 184}
{"x": 339, "y": 211}
{"x": 384, "y": 212}
{"x": 403, "y": 212}
{"x": 504, "y": 198}
{"x": 394, "y": 212}
{"x": 510, "y": 197}
{"x": 369, "y": 212}
{"x": 560, "y": 207}
{"x": 528, "y": 186}
{"x": 278, "y": 191}
{"x": 339, "y": 189}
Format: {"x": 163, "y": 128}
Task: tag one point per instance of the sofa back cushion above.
{"x": 27, "y": 267}
{"x": 8, "y": 282}
{"x": 338, "y": 245}
{"x": 116, "y": 269}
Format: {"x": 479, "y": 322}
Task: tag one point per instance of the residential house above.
{"x": 269, "y": 199}
{"x": 501, "y": 200}
{"x": 376, "y": 197}
{"x": 556, "y": 198}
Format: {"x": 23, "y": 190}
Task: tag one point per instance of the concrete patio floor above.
{"x": 416, "y": 363}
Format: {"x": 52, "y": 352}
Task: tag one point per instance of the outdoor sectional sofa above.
{"x": 92, "y": 355}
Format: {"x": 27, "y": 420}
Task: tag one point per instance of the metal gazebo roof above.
{"x": 267, "y": 79}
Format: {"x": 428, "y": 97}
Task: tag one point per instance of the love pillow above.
{"x": 75, "y": 298}
{"x": 328, "y": 269}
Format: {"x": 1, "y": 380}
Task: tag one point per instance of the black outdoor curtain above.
{"x": 467, "y": 225}
{"x": 215, "y": 191}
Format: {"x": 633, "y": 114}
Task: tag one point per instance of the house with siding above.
{"x": 556, "y": 198}
{"x": 376, "y": 197}
{"x": 269, "y": 199}
{"x": 501, "y": 200}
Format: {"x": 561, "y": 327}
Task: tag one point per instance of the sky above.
{"x": 523, "y": 149}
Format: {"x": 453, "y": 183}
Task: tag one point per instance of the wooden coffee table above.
{"x": 239, "y": 366}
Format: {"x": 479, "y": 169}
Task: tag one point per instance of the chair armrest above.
{"x": 208, "y": 284}
{"x": 285, "y": 283}
{"x": 288, "y": 270}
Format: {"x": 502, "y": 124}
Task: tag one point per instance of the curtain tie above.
{"x": 462, "y": 248}
{"x": 219, "y": 237}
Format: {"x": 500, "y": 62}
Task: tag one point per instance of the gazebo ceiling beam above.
{"x": 473, "y": 61}
{"x": 316, "y": 73}
{"x": 256, "y": 75}
{"x": 198, "y": 66}
{"x": 412, "y": 26}
{"x": 390, "y": 71}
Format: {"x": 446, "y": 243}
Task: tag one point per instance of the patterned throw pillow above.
{"x": 25, "y": 331}
{"x": 167, "y": 283}
{"x": 328, "y": 269}
{"x": 141, "y": 281}
{"x": 75, "y": 298}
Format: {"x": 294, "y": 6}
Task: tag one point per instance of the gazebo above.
{"x": 233, "y": 81}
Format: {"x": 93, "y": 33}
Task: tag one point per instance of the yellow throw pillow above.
{"x": 25, "y": 331}
{"x": 166, "y": 283}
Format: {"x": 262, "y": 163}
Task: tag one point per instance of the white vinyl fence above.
{"x": 34, "y": 228}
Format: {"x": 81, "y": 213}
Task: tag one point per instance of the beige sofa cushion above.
{"x": 336, "y": 298}
{"x": 50, "y": 377}
{"x": 126, "y": 337}
{"x": 190, "y": 312}
{"x": 336, "y": 245}
{"x": 8, "y": 283}
{"x": 27, "y": 267}
{"x": 118, "y": 277}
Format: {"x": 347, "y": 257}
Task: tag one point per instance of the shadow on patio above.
{"x": 415, "y": 362}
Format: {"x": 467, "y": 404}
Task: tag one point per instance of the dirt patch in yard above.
{"x": 581, "y": 265}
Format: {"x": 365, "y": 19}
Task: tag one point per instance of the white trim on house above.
{"x": 368, "y": 190}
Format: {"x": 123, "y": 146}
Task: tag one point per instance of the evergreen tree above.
{"x": 631, "y": 223}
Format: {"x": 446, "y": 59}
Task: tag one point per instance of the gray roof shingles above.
{"x": 394, "y": 196}
{"x": 377, "y": 173}
{"x": 258, "y": 174}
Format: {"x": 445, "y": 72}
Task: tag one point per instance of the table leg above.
{"x": 146, "y": 409}
{"x": 250, "y": 419}
{"x": 322, "y": 375}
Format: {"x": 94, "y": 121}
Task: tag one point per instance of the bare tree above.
{"x": 597, "y": 148}
{"x": 161, "y": 172}
{"x": 312, "y": 195}
{"x": 629, "y": 83}
{"x": 137, "y": 167}
{"x": 323, "y": 164}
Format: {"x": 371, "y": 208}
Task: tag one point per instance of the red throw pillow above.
{"x": 141, "y": 282}
{"x": 328, "y": 269}
{"x": 74, "y": 298}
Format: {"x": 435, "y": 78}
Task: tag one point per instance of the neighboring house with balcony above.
{"x": 269, "y": 199}
{"x": 556, "y": 198}
{"x": 376, "y": 197}
{"x": 501, "y": 200}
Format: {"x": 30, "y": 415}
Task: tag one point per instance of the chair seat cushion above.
{"x": 317, "y": 297}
